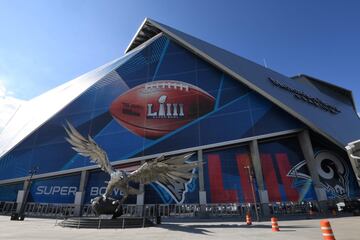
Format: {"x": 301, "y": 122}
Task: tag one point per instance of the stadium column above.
{"x": 140, "y": 197}
{"x": 80, "y": 194}
{"x": 21, "y": 195}
{"x": 307, "y": 150}
{"x": 263, "y": 194}
{"x": 202, "y": 192}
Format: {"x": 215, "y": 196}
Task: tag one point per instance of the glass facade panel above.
{"x": 227, "y": 178}
{"x": 162, "y": 98}
{"x": 335, "y": 171}
{"x": 54, "y": 190}
{"x": 9, "y": 192}
{"x": 286, "y": 176}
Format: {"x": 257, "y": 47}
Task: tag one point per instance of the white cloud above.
{"x": 8, "y": 105}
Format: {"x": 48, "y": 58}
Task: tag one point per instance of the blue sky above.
{"x": 46, "y": 43}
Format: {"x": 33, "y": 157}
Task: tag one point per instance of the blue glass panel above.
{"x": 9, "y": 192}
{"x": 54, "y": 190}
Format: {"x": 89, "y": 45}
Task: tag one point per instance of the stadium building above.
{"x": 263, "y": 137}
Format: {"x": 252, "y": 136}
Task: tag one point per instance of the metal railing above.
{"x": 293, "y": 208}
{"x": 180, "y": 210}
{"x": 164, "y": 210}
{"x": 7, "y": 208}
{"x": 50, "y": 210}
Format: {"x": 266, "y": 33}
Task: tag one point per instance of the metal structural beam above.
{"x": 21, "y": 195}
{"x": 202, "y": 192}
{"x": 80, "y": 194}
{"x": 307, "y": 150}
{"x": 140, "y": 198}
{"x": 263, "y": 194}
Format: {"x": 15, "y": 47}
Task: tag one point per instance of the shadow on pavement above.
{"x": 203, "y": 228}
{"x": 181, "y": 228}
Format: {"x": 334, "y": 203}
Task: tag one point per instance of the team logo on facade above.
{"x": 333, "y": 173}
{"x": 176, "y": 192}
{"x": 154, "y": 109}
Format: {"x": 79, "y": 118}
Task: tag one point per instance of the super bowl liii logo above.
{"x": 165, "y": 109}
{"x": 172, "y": 110}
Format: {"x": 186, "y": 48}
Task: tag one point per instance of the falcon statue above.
{"x": 173, "y": 172}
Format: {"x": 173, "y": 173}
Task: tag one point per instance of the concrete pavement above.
{"x": 346, "y": 228}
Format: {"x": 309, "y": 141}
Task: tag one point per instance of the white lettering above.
{"x": 64, "y": 191}
{"x": 94, "y": 191}
{"x": 56, "y": 190}
{"x": 175, "y": 113}
{"x": 166, "y": 110}
{"x": 48, "y": 192}
{"x": 181, "y": 114}
{"x": 40, "y": 190}
{"x": 117, "y": 192}
{"x": 102, "y": 190}
{"x": 150, "y": 113}
{"x": 72, "y": 190}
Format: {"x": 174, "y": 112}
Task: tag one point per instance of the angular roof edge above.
{"x": 61, "y": 96}
{"x": 145, "y": 32}
{"x": 214, "y": 56}
{"x": 38, "y": 108}
{"x": 348, "y": 93}
{"x": 322, "y": 81}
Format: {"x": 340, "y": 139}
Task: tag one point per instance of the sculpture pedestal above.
{"x": 97, "y": 223}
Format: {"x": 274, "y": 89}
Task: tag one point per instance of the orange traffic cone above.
{"x": 248, "y": 219}
{"x": 326, "y": 230}
{"x": 274, "y": 225}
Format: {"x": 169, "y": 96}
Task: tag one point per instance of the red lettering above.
{"x": 284, "y": 168}
{"x": 270, "y": 178}
{"x": 243, "y": 161}
{"x": 217, "y": 192}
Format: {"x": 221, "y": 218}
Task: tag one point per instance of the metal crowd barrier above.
{"x": 7, "y": 208}
{"x": 87, "y": 211}
{"x": 49, "y": 210}
{"x": 293, "y": 208}
{"x": 164, "y": 210}
{"x": 178, "y": 210}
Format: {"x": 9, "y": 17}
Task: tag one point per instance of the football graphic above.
{"x": 154, "y": 109}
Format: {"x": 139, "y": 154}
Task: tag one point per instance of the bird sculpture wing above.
{"x": 173, "y": 173}
{"x": 88, "y": 148}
